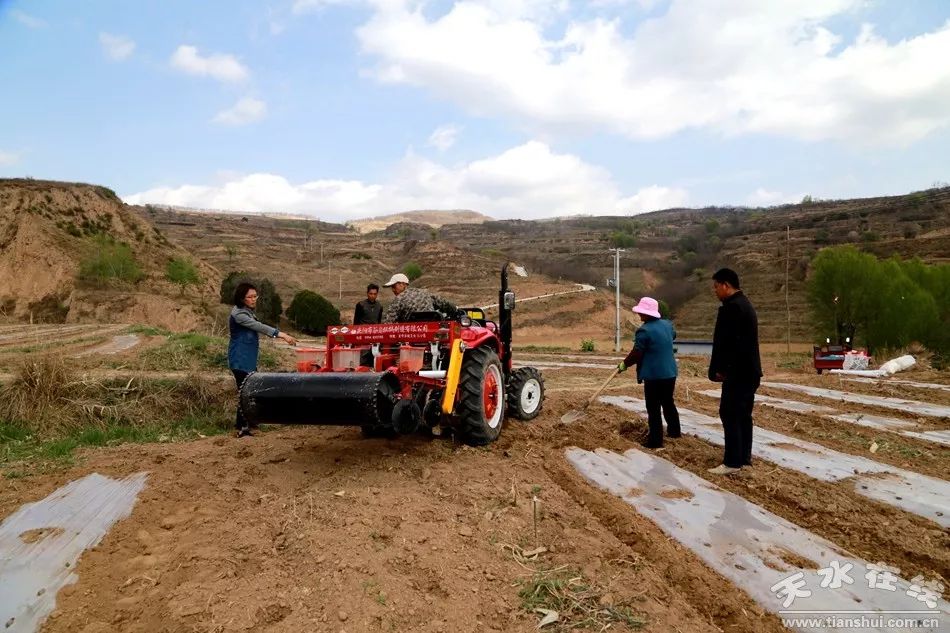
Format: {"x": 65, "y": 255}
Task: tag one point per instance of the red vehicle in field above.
{"x": 437, "y": 371}
{"x": 833, "y": 356}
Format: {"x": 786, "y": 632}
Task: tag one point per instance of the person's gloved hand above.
{"x": 621, "y": 367}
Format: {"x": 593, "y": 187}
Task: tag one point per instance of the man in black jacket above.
{"x": 735, "y": 363}
{"x": 369, "y": 311}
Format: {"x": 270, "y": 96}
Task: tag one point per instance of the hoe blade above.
{"x": 573, "y": 416}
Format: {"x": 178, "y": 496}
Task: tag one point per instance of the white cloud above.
{"x": 527, "y": 181}
{"x": 116, "y": 47}
{"x": 764, "y": 198}
{"x": 28, "y": 20}
{"x": 246, "y": 110}
{"x": 729, "y": 66}
{"x": 8, "y": 158}
{"x": 217, "y": 65}
{"x": 309, "y": 6}
{"x": 444, "y": 137}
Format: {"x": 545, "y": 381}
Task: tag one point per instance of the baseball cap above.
{"x": 396, "y": 279}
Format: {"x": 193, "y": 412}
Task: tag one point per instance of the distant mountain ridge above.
{"x": 432, "y": 218}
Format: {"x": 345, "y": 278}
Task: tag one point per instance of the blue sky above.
{"x": 515, "y": 108}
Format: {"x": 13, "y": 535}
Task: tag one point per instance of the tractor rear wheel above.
{"x": 525, "y": 393}
{"x": 481, "y": 408}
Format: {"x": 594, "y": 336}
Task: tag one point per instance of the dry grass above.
{"x": 43, "y": 387}
{"x": 48, "y": 398}
{"x": 578, "y": 603}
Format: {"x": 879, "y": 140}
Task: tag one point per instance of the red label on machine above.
{"x": 387, "y": 333}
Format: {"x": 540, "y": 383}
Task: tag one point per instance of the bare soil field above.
{"x": 320, "y": 529}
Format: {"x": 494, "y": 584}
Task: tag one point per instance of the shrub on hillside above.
{"x": 182, "y": 272}
{"x": 412, "y": 270}
{"x": 311, "y": 313}
{"x": 110, "y": 261}
{"x": 269, "y": 304}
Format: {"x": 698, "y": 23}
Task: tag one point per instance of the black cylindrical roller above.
{"x": 334, "y": 398}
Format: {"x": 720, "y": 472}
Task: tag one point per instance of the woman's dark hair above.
{"x": 647, "y": 318}
{"x": 241, "y": 291}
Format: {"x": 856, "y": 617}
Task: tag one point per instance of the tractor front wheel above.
{"x": 481, "y": 408}
{"x": 525, "y": 393}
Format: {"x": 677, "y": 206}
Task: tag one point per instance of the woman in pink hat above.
{"x": 656, "y": 368}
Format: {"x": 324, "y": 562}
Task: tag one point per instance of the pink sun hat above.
{"x": 648, "y": 307}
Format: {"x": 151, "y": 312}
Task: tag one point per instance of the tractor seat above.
{"x": 477, "y": 315}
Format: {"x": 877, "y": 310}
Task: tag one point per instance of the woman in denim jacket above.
{"x": 244, "y": 345}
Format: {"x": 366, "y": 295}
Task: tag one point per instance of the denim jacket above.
{"x": 243, "y": 347}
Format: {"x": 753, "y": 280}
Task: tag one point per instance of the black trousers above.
{"x": 239, "y": 377}
{"x": 659, "y": 395}
{"x": 735, "y": 411}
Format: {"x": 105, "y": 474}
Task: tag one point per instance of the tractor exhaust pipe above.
{"x": 506, "y": 304}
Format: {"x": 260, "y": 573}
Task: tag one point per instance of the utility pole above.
{"x": 788, "y": 309}
{"x": 616, "y": 252}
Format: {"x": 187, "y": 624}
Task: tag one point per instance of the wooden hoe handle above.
{"x": 612, "y": 375}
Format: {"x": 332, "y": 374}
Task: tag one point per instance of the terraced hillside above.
{"x": 668, "y": 254}
{"x": 49, "y": 229}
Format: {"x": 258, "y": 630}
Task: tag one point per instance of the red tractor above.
{"x": 434, "y": 372}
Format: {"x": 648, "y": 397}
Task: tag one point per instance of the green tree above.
{"x": 230, "y": 283}
{"x": 934, "y": 278}
{"x": 269, "y": 305}
{"x": 182, "y": 272}
{"x": 412, "y": 270}
{"x": 837, "y": 290}
{"x": 888, "y": 303}
{"x": 109, "y": 261}
{"x": 619, "y": 239}
{"x": 311, "y": 313}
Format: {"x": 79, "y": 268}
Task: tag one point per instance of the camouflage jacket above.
{"x": 415, "y": 300}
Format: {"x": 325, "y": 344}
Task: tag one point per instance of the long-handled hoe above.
{"x": 579, "y": 414}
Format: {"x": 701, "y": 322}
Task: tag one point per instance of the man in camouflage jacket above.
{"x": 408, "y": 300}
